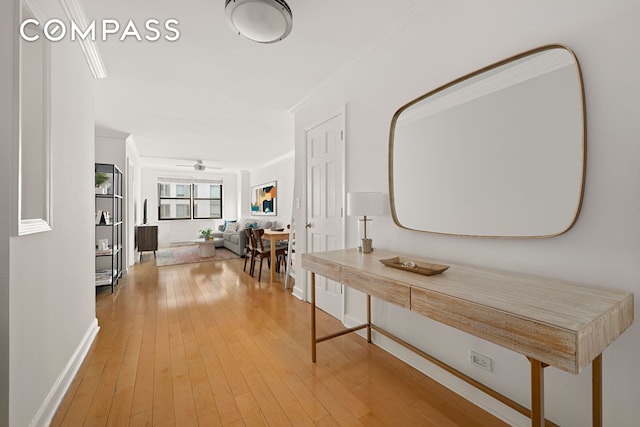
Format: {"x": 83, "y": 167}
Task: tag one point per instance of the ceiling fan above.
{"x": 198, "y": 165}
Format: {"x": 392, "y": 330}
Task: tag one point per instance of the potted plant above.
{"x": 206, "y": 234}
{"x": 101, "y": 178}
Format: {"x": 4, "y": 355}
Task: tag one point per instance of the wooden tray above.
{"x": 419, "y": 267}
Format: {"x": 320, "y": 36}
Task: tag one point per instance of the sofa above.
{"x": 233, "y": 235}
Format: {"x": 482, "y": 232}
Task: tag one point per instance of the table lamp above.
{"x": 365, "y": 204}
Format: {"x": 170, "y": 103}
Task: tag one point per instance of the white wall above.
{"x": 244, "y": 191}
{"x": 280, "y": 170}
{"x": 132, "y": 197}
{"x": 179, "y": 230}
{"x": 436, "y": 46}
{"x": 52, "y": 292}
{"x": 111, "y": 147}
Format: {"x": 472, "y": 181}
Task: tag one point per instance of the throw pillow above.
{"x": 224, "y": 227}
{"x": 250, "y": 224}
{"x": 232, "y": 227}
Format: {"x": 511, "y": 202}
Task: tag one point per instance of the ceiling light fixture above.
{"x": 263, "y": 21}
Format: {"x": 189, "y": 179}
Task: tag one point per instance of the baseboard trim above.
{"x": 298, "y": 292}
{"x": 50, "y": 405}
{"x": 443, "y": 377}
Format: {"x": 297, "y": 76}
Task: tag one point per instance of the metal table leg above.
{"x": 596, "y": 391}
{"x": 537, "y": 393}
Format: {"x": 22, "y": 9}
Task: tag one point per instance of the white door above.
{"x": 325, "y": 198}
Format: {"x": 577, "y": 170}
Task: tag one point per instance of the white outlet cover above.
{"x": 480, "y": 360}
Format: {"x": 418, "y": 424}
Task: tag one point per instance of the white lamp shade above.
{"x": 365, "y": 203}
{"x": 263, "y": 21}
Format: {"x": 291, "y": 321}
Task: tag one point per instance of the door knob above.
{"x": 308, "y": 225}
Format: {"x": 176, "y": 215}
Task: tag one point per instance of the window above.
{"x": 165, "y": 211}
{"x": 182, "y": 210}
{"x": 207, "y": 201}
{"x": 180, "y": 199}
{"x": 182, "y": 190}
{"x": 164, "y": 190}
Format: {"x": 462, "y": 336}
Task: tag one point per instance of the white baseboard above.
{"x": 54, "y": 398}
{"x": 298, "y": 292}
{"x": 450, "y": 381}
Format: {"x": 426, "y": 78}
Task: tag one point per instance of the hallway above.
{"x": 205, "y": 345}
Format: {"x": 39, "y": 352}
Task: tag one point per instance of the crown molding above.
{"x": 111, "y": 133}
{"x": 276, "y": 160}
{"x": 74, "y": 11}
{"x": 436, "y": 8}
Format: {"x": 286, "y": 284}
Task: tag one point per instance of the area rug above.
{"x": 189, "y": 254}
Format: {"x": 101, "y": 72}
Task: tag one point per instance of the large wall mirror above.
{"x": 497, "y": 153}
{"x": 34, "y": 196}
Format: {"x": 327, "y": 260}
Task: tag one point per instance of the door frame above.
{"x": 342, "y": 111}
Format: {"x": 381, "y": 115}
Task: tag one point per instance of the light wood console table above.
{"x": 551, "y": 322}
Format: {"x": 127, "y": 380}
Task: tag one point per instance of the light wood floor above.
{"x": 207, "y": 345}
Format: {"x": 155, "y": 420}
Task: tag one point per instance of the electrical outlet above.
{"x": 480, "y": 360}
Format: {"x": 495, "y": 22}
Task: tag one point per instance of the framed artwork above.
{"x": 264, "y": 199}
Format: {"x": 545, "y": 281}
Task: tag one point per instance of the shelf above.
{"x": 109, "y": 206}
{"x": 105, "y": 277}
{"x": 109, "y": 252}
{"x": 108, "y": 196}
{"x": 114, "y": 224}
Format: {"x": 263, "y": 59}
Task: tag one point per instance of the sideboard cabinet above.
{"x": 147, "y": 239}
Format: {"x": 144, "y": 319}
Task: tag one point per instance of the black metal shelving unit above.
{"x": 109, "y": 227}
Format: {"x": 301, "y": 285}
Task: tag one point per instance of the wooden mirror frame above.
{"x": 439, "y": 90}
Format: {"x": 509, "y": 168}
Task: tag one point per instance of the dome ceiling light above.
{"x": 263, "y": 21}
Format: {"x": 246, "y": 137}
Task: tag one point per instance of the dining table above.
{"x": 274, "y": 237}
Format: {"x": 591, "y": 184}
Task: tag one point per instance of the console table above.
{"x": 551, "y": 322}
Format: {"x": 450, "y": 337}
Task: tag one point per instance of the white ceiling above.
{"x": 217, "y": 96}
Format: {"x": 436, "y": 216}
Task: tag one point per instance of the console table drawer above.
{"x": 377, "y": 286}
{"x": 321, "y": 267}
{"x": 519, "y": 334}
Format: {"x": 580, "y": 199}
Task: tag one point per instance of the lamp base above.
{"x": 367, "y": 246}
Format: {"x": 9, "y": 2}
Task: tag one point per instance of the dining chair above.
{"x": 264, "y": 251}
{"x": 249, "y": 251}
